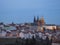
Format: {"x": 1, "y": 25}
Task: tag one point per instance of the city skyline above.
{"x": 21, "y": 11}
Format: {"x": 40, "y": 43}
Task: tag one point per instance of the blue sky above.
{"x": 20, "y": 11}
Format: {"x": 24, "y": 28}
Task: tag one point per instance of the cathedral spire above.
{"x": 34, "y": 19}
{"x": 37, "y": 18}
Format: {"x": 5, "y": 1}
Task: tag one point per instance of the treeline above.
{"x": 33, "y": 41}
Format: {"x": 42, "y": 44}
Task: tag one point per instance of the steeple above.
{"x": 37, "y": 18}
{"x": 34, "y": 19}
{"x": 12, "y": 24}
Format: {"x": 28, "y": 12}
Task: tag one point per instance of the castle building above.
{"x": 40, "y": 23}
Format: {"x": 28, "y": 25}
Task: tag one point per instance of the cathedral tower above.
{"x": 34, "y": 19}
{"x": 37, "y": 18}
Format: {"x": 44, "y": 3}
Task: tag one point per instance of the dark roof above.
{"x": 50, "y": 25}
{"x": 33, "y": 24}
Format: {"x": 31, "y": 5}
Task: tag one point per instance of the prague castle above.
{"x": 41, "y": 24}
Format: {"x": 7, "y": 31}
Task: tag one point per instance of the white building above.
{"x": 21, "y": 35}
{"x": 40, "y": 35}
{"x": 3, "y": 33}
{"x": 51, "y": 27}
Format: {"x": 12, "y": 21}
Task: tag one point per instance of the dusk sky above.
{"x": 20, "y": 11}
